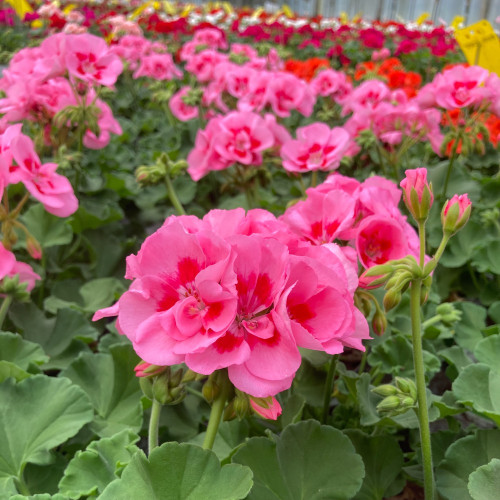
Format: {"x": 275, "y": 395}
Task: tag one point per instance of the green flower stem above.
{"x": 154, "y": 421}
{"x": 173, "y": 196}
{"x": 217, "y": 409}
{"x": 421, "y": 234}
{"x": 431, "y": 321}
{"x": 441, "y": 247}
{"x": 423, "y": 415}
{"x": 7, "y": 301}
{"x": 450, "y": 166}
{"x": 21, "y": 486}
{"x": 314, "y": 178}
{"x": 194, "y": 392}
{"x": 329, "y": 388}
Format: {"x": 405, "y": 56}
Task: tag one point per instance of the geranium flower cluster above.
{"x": 65, "y": 70}
{"x": 241, "y": 292}
{"x": 20, "y": 163}
{"x": 238, "y": 137}
{"x": 364, "y": 216}
{"x": 146, "y": 58}
{"x": 10, "y": 267}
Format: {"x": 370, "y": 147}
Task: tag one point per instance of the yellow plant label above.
{"x": 457, "y": 21}
{"x": 69, "y": 8}
{"x": 480, "y": 45}
{"x": 169, "y": 8}
{"x": 422, "y": 18}
{"x": 22, "y": 7}
{"x": 287, "y": 11}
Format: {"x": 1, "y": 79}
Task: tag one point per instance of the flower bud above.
{"x": 406, "y": 386}
{"x": 210, "y": 390}
{"x": 455, "y": 214}
{"x": 241, "y": 405}
{"x": 385, "y": 390}
{"x": 391, "y": 299}
{"x": 379, "y": 323}
{"x": 145, "y": 369}
{"x": 417, "y": 193}
{"x": 146, "y": 387}
{"x": 390, "y": 403}
{"x": 34, "y": 248}
{"x": 448, "y": 313}
{"x": 229, "y": 413}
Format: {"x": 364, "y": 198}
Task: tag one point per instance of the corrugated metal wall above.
{"x": 405, "y": 10}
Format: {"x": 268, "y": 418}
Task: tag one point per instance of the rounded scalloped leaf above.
{"x": 484, "y": 482}
{"x": 462, "y": 458}
{"x": 15, "y": 349}
{"x": 308, "y": 460}
{"x": 383, "y": 460}
{"x": 117, "y": 396}
{"x": 479, "y": 386}
{"x": 90, "y": 471}
{"x": 42, "y": 413}
{"x": 488, "y": 352}
{"x": 185, "y": 471}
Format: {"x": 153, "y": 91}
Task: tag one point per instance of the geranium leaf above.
{"x": 462, "y": 458}
{"x": 308, "y": 461}
{"x": 61, "y": 409}
{"x": 90, "y": 471}
{"x": 184, "y": 471}
{"x": 21, "y": 352}
{"x": 383, "y": 461}
{"x": 484, "y": 482}
{"x": 111, "y": 384}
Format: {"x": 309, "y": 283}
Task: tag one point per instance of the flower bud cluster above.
{"x": 164, "y": 167}
{"x": 161, "y": 383}
{"x": 398, "y": 398}
{"x": 396, "y": 275}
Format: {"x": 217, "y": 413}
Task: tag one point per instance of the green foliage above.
{"x": 307, "y": 461}
{"x": 184, "y": 471}
{"x": 61, "y": 409}
{"x": 116, "y": 396}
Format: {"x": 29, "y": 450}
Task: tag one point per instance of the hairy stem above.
{"x": 154, "y": 421}
{"x": 4, "y": 308}
{"x": 217, "y": 409}
{"x": 173, "y": 196}
{"x": 329, "y": 388}
{"x": 422, "y": 412}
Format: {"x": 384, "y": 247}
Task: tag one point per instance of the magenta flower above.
{"x": 380, "y": 239}
{"x": 9, "y": 266}
{"x": 88, "y": 58}
{"x": 54, "y": 191}
{"x": 182, "y": 111}
{"x": 181, "y": 303}
{"x": 322, "y": 216}
{"x": 158, "y": 67}
{"x": 456, "y": 213}
{"x": 242, "y": 137}
{"x": 417, "y": 193}
{"x": 317, "y": 148}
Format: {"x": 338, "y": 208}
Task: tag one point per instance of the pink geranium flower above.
{"x": 258, "y": 348}
{"x": 182, "y": 303}
{"x": 317, "y": 148}
{"x": 182, "y": 111}
{"x": 88, "y": 58}
{"x": 242, "y": 138}
{"x": 159, "y": 67}
{"x": 380, "y": 239}
{"x": 9, "y": 266}
{"x": 322, "y": 216}
{"x": 54, "y": 191}
{"x": 286, "y": 92}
